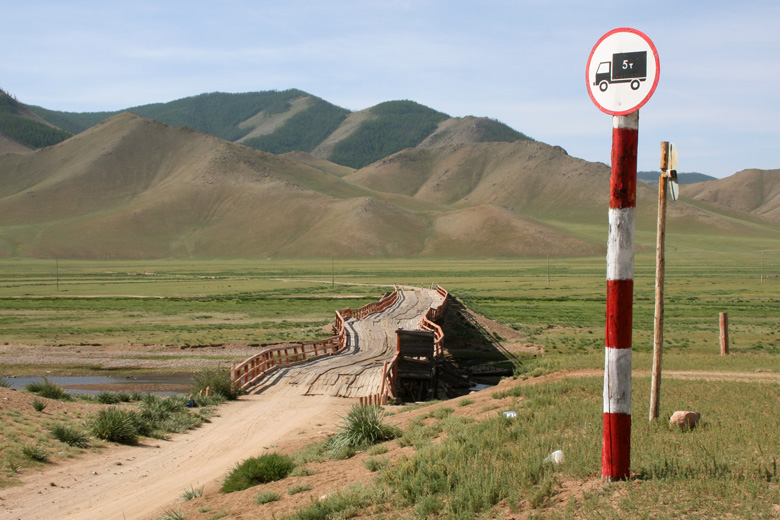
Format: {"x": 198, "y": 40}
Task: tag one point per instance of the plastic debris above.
{"x": 510, "y": 415}
{"x": 555, "y": 457}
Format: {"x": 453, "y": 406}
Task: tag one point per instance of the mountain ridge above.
{"x": 131, "y": 187}
{"x": 294, "y": 120}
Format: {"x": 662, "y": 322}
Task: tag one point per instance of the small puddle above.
{"x": 161, "y": 384}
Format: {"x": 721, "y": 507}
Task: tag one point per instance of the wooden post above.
{"x": 724, "y": 334}
{"x": 660, "y": 263}
{"x": 616, "y": 446}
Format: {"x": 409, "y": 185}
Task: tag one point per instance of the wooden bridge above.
{"x": 361, "y": 360}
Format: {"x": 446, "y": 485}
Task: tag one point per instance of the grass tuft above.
{"x": 70, "y": 435}
{"x": 375, "y": 463}
{"x": 115, "y": 425}
{"x": 191, "y": 493}
{"x": 264, "y": 497}
{"x": 218, "y": 381}
{"x": 363, "y": 426}
{"x": 48, "y": 390}
{"x": 254, "y": 471}
{"x": 298, "y": 488}
{"x": 172, "y": 515}
{"x": 35, "y": 452}
{"x": 39, "y": 405}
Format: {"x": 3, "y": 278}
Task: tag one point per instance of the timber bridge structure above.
{"x": 386, "y": 349}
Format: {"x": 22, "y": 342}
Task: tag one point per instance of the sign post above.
{"x": 621, "y": 74}
{"x": 668, "y": 179}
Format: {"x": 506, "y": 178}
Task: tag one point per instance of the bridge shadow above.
{"x": 474, "y": 351}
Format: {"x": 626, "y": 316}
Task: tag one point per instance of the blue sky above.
{"x": 522, "y": 62}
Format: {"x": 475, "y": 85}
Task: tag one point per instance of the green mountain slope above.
{"x": 21, "y": 126}
{"x": 395, "y": 125}
{"x": 293, "y": 120}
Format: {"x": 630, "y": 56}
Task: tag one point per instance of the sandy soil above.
{"x": 144, "y": 482}
{"x": 140, "y": 482}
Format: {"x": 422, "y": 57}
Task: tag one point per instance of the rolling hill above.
{"x": 131, "y": 187}
{"x": 135, "y": 188}
{"x": 753, "y": 192}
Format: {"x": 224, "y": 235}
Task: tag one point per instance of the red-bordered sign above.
{"x": 622, "y": 71}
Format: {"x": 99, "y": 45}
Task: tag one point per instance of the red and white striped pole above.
{"x": 616, "y": 448}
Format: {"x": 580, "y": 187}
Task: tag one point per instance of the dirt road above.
{"x": 141, "y": 482}
{"x": 128, "y": 483}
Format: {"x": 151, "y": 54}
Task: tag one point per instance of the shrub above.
{"x": 363, "y": 426}
{"x": 219, "y": 382}
{"x": 39, "y": 405}
{"x": 258, "y": 470}
{"x": 70, "y": 436}
{"x": 465, "y": 402}
{"x": 265, "y": 497}
{"x": 48, "y": 390}
{"x": 35, "y": 452}
{"x": 4, "y": 383}
{"x": 115, "y": 425}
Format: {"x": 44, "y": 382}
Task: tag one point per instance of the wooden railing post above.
{"x": 724, "y": 334}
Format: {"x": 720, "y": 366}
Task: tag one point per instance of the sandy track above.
{"x": 151, "y": 479}
{"x": 141, "y": 482}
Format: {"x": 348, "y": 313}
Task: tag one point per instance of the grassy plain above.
{"x": 699, "y": 474}
{"x": 212, "y": 302}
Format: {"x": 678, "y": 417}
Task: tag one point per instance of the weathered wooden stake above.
{"x": 660, "y": 264}
{"x": 616, "y": 447}
{"x": 724, "y": 334}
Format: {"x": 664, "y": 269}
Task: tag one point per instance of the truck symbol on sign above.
{"x": 625, "y": 67}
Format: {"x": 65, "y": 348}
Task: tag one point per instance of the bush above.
{"x": 48, "y": 390}
{"x": 254, "y": 471}
{"x": 70, "y": 436}
{"x": 265, "y": 497}
{"x": 363, "y": 426}
{"x": 115, "y": 425}
{"x": 35, "y": 452}
{"x": 219, "y": 382}
{"x": 39, "y": 405}
{"x": 4, "y": 383}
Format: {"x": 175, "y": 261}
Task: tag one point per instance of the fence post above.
{"x": 724, "y": 334}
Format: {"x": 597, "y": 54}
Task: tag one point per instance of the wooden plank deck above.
{"x": 357, "y": 371}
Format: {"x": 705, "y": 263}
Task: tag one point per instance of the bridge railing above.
{"x": 249, "y": 372}
{"x": 390, "y": 369}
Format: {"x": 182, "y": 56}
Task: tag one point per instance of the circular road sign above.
{"x": 622, "y": 71}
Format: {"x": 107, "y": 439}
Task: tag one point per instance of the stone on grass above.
{"x": 684, "y": 420}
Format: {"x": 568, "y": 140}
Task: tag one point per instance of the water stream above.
{"x": 163, "y": 384}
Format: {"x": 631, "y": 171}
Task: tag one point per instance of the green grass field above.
{"x": 200, "y": 302}
{"x": 727, "y": 467}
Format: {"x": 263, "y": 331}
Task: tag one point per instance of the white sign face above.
{"x": 622, "y": 71}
